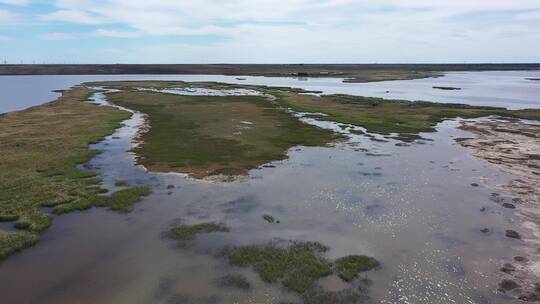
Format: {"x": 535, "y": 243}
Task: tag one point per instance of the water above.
{"x": 412, "y": 207}
{"x": 507, "y": 89}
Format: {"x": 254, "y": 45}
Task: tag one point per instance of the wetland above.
{"x": 210, "y": 192}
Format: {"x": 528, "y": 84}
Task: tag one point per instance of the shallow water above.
{"x": 504, "y": 89}
{"x": 206, "y": 92}
{"x": 412, "y": 207}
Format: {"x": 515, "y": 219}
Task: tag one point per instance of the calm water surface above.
{"x": 504, "y": 89}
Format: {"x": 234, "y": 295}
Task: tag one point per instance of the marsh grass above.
{"x": 205, "y": 135}
{"x": 11, "y": 242}
{"x": 377, "y": 115}
{"x": 349, "y": 267}
{"x": 188, "y": 232}
{"x": 121, "y": 201}
{"x": 317, "y": 295}
{"x": 41, "y": 148}
{"x": 121, "y": 183}
{"x": 298, "y": 265}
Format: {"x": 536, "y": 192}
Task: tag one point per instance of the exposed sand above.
{"x": 514, "y": 147}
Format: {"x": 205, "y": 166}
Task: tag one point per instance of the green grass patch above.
{"x": 123, "y": 200}
{"x": 349, "y": 267}
{"x": 188, "y": 232}
{"x": 297, "y": 266}
{"x": 318, "y": 295}
{"x": 15, "y": 241}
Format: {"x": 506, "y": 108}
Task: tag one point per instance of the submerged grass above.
{"x": 121, "y": 183}
{"x": 349, "y": 267}
{"x": 188, "y": 232}
{"x": 121, "y": 201}
{"x": 41, "y": 148}
{"x": 299, "y": 265}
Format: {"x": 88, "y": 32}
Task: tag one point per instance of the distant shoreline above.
{"x": 349, "y": 72}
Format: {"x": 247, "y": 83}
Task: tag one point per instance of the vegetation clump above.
{"x": 121, "y": 201}
{"x": 297, "y": 266}
{"x": 121, "y": 183}
{"x": 11, "y": 242}
{"x": 188, "y": 232}
{"x": 349, "y": 267}
{"x": 318, "y": 295}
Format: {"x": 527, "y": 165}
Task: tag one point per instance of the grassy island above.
{"x": 212, "y": 135}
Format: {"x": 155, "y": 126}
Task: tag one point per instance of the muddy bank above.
{"x": 514, "y": 147}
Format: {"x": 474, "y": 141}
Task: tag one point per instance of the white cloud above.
{"x": 15, "y": 2}
{"x": 116, "y": 33}
{"x": 222, "y": 17}
{"x": 312, "y": 30}
{"x": 535, "y": 15}
{"x": 74, "y": 16}
{"x": 7, "y": 17}
{"x": 59, "y": 36}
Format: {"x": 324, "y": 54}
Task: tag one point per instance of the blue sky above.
{"x": 264, "y": 31}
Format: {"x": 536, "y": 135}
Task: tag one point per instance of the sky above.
{"x": 264, "y": 31}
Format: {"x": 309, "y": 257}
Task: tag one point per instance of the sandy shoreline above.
{"x": 513, "y": 146}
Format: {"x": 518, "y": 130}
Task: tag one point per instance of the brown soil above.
{"x": 514, "y": 147}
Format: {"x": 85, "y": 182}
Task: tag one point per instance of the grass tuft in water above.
{"x": 318, "y": 295}
{"x": 298, "y": 265}
{"x": 16, "y": 241}
{"x": 121, "y": 183}
{"x": 121, "y": 201}
{"x": 188, "y": 232}
{"x": 350, "y": 266}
